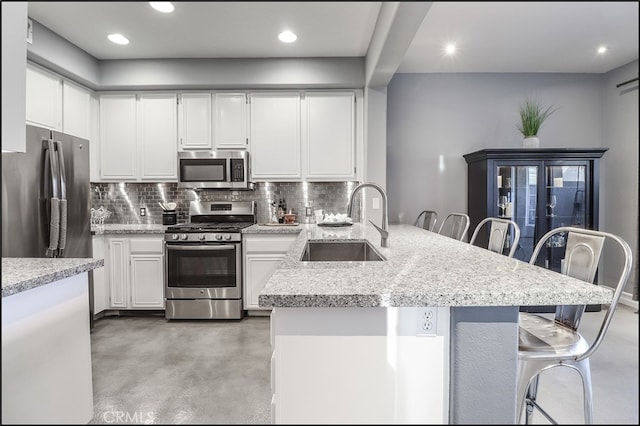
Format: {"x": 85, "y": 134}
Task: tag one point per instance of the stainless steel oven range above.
{"x": 203, "y": 261}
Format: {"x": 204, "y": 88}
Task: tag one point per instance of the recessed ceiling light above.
{"x": 118, "y": 38}
{"x": 287, "y": 37}
{"x": 450, "y": 49}
{"x": 602, "y": 49}
{"x": 162, "y": 6}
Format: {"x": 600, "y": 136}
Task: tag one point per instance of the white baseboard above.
{"x": 627, "y": 300}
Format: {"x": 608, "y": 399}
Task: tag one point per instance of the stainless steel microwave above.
{"x": 214, "y": 170}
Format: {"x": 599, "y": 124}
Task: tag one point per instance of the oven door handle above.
{"x": 211, "y": 247}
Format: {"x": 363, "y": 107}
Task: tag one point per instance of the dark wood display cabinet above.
{"x": 540, "y": 189}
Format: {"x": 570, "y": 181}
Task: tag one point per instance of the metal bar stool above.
{"x": 455, "y": 226}
{"x": 430, "y": 219}
{"x": 498, "y": 234}
{"x": 547, "y": 343}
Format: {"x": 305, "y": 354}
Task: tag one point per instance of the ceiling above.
{"x": 490, "y": 36}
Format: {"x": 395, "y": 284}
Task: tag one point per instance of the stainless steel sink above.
{"x": 340, "y": 251}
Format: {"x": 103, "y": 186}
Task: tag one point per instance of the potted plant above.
{"x": 532, "y": 115}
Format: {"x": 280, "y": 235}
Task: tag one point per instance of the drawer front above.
{"x": 269, "y": 244}
{"x": 140, "y": 245}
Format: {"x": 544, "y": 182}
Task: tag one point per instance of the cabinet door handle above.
{"x": 216, "y": 247}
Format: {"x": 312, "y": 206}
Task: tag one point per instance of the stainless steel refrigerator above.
{"x": 46, "y": 207}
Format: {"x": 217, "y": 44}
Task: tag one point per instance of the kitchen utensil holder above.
{"x": 169, "y": 218}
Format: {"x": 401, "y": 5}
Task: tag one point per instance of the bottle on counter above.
{"x": 282, "y": 206}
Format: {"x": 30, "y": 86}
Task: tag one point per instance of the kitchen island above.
{"x": 46, "y": 350}
{"x": 428, "y": 335}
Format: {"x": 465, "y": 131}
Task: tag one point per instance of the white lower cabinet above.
{"x": 135, "y": 267}
{"x": 262, "y": 253}
{"x": 100, "y": 284}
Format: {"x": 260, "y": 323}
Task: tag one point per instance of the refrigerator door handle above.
{"x": 63, "y": 200}
{"x": 54, "y": 223}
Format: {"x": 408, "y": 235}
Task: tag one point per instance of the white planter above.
{"x": 531, "y": 142}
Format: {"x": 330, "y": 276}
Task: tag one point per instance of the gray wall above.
{"x": 434, "y": 119}
{"x": 375, "y": 148}
{"x": 54, "y": 52}
{"x": 14, "y": 62}
{"x": 620, "y": 180}
{"x": 483, "y": 364}
{"x": 280, "y": 73}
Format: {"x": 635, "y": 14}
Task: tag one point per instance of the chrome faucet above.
{"x": 384, "y": 233}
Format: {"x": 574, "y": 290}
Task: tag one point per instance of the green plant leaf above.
{"x": 532, "y": 115}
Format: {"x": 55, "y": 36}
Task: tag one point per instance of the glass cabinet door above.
{"x": 566, "y": 204}
{"x": 517, "y": 199}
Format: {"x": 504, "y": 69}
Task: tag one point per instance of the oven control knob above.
{"x": 227, "y": 237}
{"x": 183, "y": 236}
{"x": 201, "y": 237}
{"x": 174, "y": 236}
{"x": 218, "y": 237}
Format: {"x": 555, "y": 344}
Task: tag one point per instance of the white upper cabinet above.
{"x": 57, "y": 103}
{"x": 194, "y": 113}
{"x": 329, "y": 136}
{"x": 158, "y": 136}
{"x": 275, "y": 136}
{"x": 138, "y": 137}
{"x": 94, "y": 137}
{"x": 43, "y": 98}
{"x": 76, "y": 110}
{"x": 230, "y": 120}
{"x": 118, "y": 136}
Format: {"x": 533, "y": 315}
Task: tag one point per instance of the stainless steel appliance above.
{"x": 45, "y": 197}
{"x": 214, "y": 170}
{"x": 203, "y": 261}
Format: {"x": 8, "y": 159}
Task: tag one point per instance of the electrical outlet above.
{"x": 143, "y": 211}
{"x": 375, "y": 205}
{"x": 427, "y": 321}
{"x": 308, "y": 211}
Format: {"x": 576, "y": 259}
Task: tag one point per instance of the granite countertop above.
{"x": 262, "y": 228}
{"x": 24, "y": 273}
{"x": 125, "y": 228}
{"x": 422, "y": 269}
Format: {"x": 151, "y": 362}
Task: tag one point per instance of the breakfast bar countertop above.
{"x": 24, "y": 273}
{"x": 422, "y": 268}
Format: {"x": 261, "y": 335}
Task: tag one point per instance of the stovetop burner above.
{"x": 209, "y": 227}
{"x": 213, "y": 222}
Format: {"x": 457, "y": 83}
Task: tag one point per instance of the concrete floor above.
{"x": 150, "y": 370}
